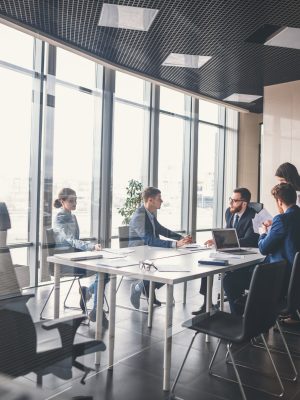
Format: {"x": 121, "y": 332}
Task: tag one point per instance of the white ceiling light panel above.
{"x": 185, "y": 60}
{"x": 286, "y": 37}
{"x": 242, "y": 98}
{"x": 126, "y": 17}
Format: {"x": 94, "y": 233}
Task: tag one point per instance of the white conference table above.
{"x": 176, "y": 258}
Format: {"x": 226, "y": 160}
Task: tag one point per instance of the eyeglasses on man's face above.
{"x": 147, "y": 265}
{"x": 231, "y": 200}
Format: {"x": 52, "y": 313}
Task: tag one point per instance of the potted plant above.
{"x": 132, "y": 202}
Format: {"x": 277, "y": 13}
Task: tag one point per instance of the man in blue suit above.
{"x": 239, "y": 216}
{"x": 144, "y": 229}
{"x": 280, "y": 239}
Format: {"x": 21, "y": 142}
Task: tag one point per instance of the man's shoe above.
{"x": 145, "y": 291}
{"x": 135, "y": 296}
{"x": 86, "y": 295}
{"x": 92, "y": 318}
{"x": 201, "y": 310}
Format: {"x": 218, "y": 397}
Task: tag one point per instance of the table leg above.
{"x": 99, "y": 317}
{"x": 112, "y": 320}
{"x": 168, "y": 338}
{"x": 208, "y": 298}
{"x": 56, "y": 290}
{"x": 184, "y": 292}
{"x": 222, "y": 293}
{"x": 150, "y": 305}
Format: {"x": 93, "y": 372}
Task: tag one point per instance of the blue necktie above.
{"x": 236, "y": 221}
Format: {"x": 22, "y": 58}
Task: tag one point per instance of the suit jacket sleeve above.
{"x": 268, "y": 243}
{"x": 142, "y": 228}
{"x": 161, "y": 230}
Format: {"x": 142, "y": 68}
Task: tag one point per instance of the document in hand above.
{"x": 259, "y": 218}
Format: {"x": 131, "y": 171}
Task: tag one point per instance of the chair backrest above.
{"x": 257, "y": 207}
{"x": 293, "y": 294}
{"x": 9, "y": 285}
{"x": 263, "y": 300}
{"x": 4, "y": 224}
{"x": 123, "y": 236}
{"x": 17, "y": 333}
{"x": 17, "y": 337}
{"x": 55, "y": 248}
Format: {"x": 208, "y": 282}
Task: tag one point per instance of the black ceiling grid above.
{"x": 218, "y": 28}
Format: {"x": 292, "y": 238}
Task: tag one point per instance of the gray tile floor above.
{"x": 138, "y": 368}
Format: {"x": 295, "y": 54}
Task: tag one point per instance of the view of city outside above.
{"x": 170, "y": 157}
{"x": 129, "y": 127}
{"x": 207, "y": 155}
{"x": 74, "y": 121}
{"x": 73, "y": 149}
{"x": 170, "y": 161}
{"x": 15, "y": 149}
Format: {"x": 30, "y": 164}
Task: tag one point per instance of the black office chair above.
{"x": 18, "y": 339}
{"x": 293, "y": 293}
{"x": 260, "y": 315}
{"x": 123, "y": 236}
{"x": 256, "y": 206}
{"x": 53, "y": 248}
{"x": 290, "y": 306}
{"x": 4, "y": 224}
{"x": 22, "y": 271}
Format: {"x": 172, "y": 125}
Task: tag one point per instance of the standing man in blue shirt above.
{"x": 144, "y": 229}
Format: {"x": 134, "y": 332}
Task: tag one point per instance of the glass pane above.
{"x": 15, "y": 130}
{"x": 75, "y": 69}
{"x": 129, "y": 88}
{"x": 16, "y": 47}
{"x": 202, "y": 237}
{"x": 127, "y": 154}
{"x": 207, "y": 158}
{"x": 19, "y": 255}
{"x": 209, "y": 111}
{"x": 73, "y": 150}
{"x": 172, "y": 101}
{"x": 170, "y": 170}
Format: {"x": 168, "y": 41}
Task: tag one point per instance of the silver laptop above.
{"x": 226, "y": 240}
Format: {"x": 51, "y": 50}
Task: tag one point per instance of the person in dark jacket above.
{"x": 144, "y": 229}
{"x": 239, "y": 216}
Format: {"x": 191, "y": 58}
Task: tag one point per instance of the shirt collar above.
{"x": 150, "y": 215}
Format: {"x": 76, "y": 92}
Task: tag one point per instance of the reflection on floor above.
{"x": 138, "y": 368}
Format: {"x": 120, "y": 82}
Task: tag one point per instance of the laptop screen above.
{"x": 225, "y": 238}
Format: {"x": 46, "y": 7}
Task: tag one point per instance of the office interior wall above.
{"x": 248, "y": 152}
{"x": 281, "y": 137}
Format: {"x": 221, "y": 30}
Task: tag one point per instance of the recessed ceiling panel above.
{"x": 136, "y": 18}
{"x": 219, "y": 29}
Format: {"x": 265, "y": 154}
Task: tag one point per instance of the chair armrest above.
{"x": 67, "y": 328}
{"x": 55, "y": 323}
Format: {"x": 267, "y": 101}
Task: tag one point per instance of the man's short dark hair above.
{"x": 285, "y": 192}
{"x": 245, "y": 194}
{"x": 150, "y": 192}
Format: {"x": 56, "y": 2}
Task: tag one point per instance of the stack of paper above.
{"x": 259, "y": 218}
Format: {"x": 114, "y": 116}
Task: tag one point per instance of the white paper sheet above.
{"x": 259, "y": 218}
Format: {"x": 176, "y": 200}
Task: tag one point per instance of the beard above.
{"x": 236, "y": 209}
